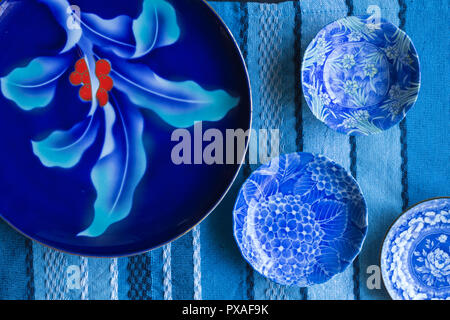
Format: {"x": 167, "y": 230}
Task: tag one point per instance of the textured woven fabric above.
{"x": 396, "y": 168}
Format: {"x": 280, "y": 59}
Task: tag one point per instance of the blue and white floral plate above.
{"x": 91, "y": 95}
{"x": 359, "y": 76}
{"x": 300, "y": 219}
{"x": 415, "y": 259}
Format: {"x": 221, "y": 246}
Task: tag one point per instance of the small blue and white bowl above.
{"x": 415, "y": 259}
{"x": 300, "y": 219}
{"x": 360, "y": 77}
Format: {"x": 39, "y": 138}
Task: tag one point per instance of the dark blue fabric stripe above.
{"x": 349, "y": 4}
{"x": 139, "y": 277}
{"x": 298, "y": 57}
{"x": 402, "y": 126}
{"x": 352, "y": 141}
{"x": 356, "y": 264}
{"x": 29, "y": 268}
{"x": 404, "y": 165}
{"x": 14, "y": 276}
{"x": 243, "y": 44}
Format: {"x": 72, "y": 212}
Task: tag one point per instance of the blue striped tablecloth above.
{"x": 397, "y": 168}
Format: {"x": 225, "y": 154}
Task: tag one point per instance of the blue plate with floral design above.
{"x": 359, "y": 76}
{"x": 98, "y": 104}
{"x": 415, "y": 259}
{"x": 300, "y": 219}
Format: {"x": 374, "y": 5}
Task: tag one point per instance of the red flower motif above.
{"x": 81, "y": 77}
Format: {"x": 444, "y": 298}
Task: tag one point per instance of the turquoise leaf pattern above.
{"x": 155, "y": 27}
{"x": 110, "y": 34}
{"x": 33, "y": 86}
{"x": 119, "y": 169}
{"x": 180, "y": 104}
{"x": 60, "y": 10}
{"x": 65, "y": 148}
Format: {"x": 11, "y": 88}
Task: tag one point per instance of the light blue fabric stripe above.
{"x": 379, "y": 175}
{"x": 381, "y": 185}
{"x": 50, "y": 268}
{"x": 428, "y": 121}
{"x": 39, "y": 272}
{"x": 99, "y": 279}
{"x": 182, "y": 268}
{"x": 123, "y": 285}
{"x": 61, "y": 275}
{"x": 271, "y": 68}
{"x": 13, "y": 271}
{"x": 318, "y": 138}
{"x": 157, "y": 274}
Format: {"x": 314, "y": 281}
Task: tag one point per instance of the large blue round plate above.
{"x": 415, "y": 259}
{"x": 360, "y": 76}
{"x": 91, "y": 95}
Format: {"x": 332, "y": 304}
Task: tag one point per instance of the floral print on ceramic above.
{"x": 360, "y": 77}
{"x": 300, "y": 219}
{"x": 415, "y": 259}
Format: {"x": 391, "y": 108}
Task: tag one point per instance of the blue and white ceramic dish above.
{"x": 91, "y": 93}
{"x": 360, "y": 77}
{"x": 415, "y": 259}
{"x": 300, "y": 219}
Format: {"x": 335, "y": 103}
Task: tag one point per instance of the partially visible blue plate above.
{"x": 359, "y": 76}
{"x": 91, "y": 95}
{"x": 415, "y": 259}
{"x": 300, "y": 219}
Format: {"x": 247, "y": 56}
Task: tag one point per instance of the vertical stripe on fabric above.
{"x": 29, "y": 268}
{"x": 197, "y": 263}
{"x": 84, "y": 276}
{"x": 243, "y": 44}
{"x": 402, "y": 125}
{"x": 182, "y": 275}
{"x": 114, "y": 279}
{"x": 270, "y": 73}
{"x": 55, "y": 271}
{"x": 356, "y": 264}
{"x": 270, "y": 69}
{"x": 349, "y": 4}
{"x": 428, "y": 120}
{"x": 353, "y": 154}
{"x": 167, "y": 272}
{"x": 16, "y": 268}
{"x": 139, "y": 277}
{"x": 298, "y": 58}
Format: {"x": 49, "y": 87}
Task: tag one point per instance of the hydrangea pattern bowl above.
{"x": 360, "y": 77}
{"x": 415, "y": 258}
{"x": 300, "y": 219}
